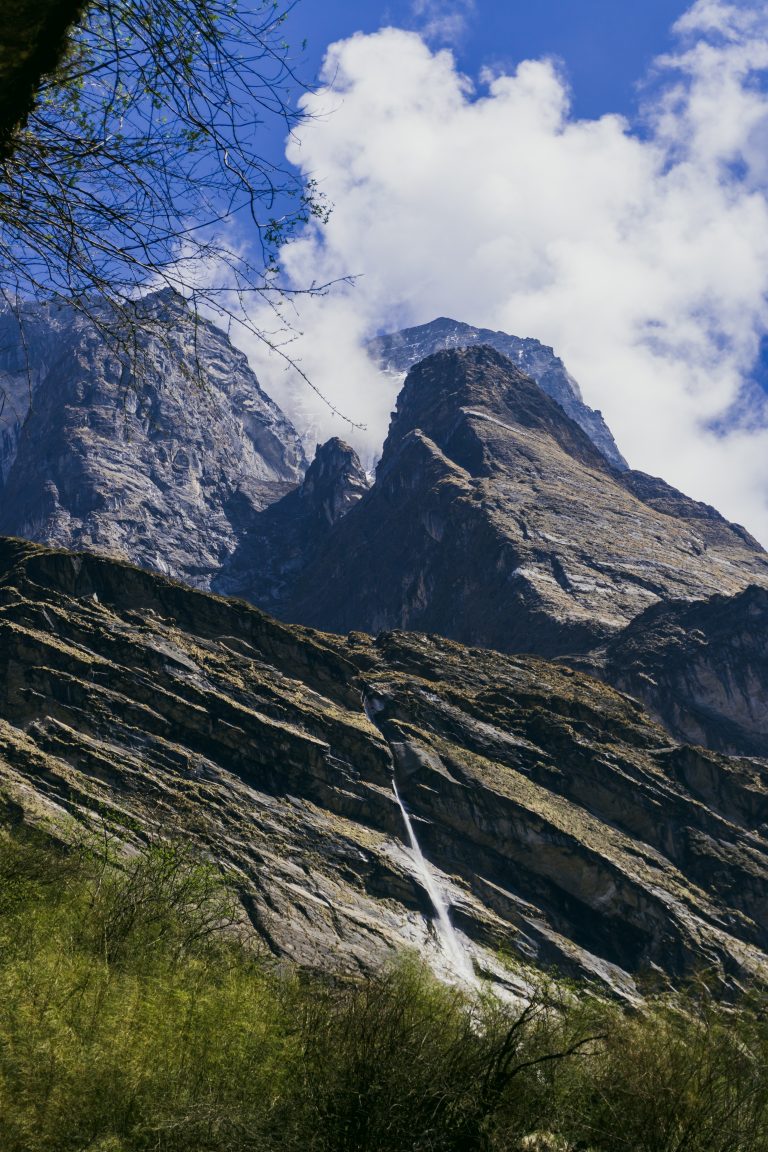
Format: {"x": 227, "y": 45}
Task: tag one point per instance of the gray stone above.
{"x": 397, "y": 352}
{"x": 161, "y": 457}
{"x": 565, "y": 827}
{"x": 285, "y": 539}
{"x": 496, "y": 521}
{"x": 700, "y": 667}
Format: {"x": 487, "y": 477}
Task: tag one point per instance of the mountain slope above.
{"x": 397, "y": 352}
{"x": 700, "y": 666}
{"x": 564, "y": 825}
{"x": 162, "y": 462}
{"x": 494, "y": 520}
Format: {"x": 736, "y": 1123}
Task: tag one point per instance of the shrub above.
{"x": 133, "y": 1019}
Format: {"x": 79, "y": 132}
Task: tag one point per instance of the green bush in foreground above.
{"x": 133, "y": 1018}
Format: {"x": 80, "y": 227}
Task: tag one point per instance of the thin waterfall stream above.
{"x": 455, "y": 954}
{"x": 451, "y": 945}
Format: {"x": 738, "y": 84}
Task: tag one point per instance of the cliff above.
{"x": 564, "y": 825}
{"x": 161, "y": 456}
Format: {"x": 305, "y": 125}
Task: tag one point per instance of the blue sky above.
{"x": 592, "y": 173}
{"x": 606, "y": 46}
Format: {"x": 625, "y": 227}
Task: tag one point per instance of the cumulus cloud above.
{"x": 638, "y": 250}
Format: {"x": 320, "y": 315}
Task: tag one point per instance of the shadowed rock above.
{"x": 701, "y": 668}
{"x": 285, "y": 539}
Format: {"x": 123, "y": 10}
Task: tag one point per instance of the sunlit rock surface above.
{"x": 397, "y": 352}
{"x": 565, "y": 826}
{"x": 161, "y": 455}
{"x": 495, "y": 520}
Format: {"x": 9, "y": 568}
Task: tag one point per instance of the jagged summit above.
{"x": 453, "y": 389}
{"x": 398, "y": 352}
{"x": 335, "y": 480}
{"x": 284, "y": 539}
{"x": 494, "y": 520}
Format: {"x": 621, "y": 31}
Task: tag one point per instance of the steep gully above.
{"x": 456, "y": 956}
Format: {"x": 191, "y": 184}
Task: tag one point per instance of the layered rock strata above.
{"x": 564, "y": 825}
{"x": 701, "y": 667}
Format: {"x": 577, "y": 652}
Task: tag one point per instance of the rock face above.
{"x": 163, "y": 463}
{"x": 701, "y": 667}
{"x": 564, "y": 825}
{"x": 284, "y": 539}
{"x": 397, "y": 352}
{"x": 495, "y": 520}
{"x": 496, "y": 517}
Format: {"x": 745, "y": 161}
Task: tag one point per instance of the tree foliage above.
{"x": 144, "y": 151}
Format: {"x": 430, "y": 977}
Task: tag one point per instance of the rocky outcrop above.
{"x": 700, "y": 667}
{"x": 334, "y": 482}
{"x": 495, "y": 520}
{"x": 397, "y": 352}
{"x": 161, "y": 455}
{"x": 564, "y": 825}
{"x": 285, "y": 539}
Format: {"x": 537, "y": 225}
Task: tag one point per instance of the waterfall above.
{"x": 452, "y": 947}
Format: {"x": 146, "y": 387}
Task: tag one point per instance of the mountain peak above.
{"x": 494, "y": 520}
{"x": 399, "y": 351}
{"x": 335, "y": 480}
{"x": 459, "y": 386}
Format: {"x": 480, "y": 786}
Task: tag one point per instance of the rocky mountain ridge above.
{"x": 494, "y": 520}
{"x": 165, "y": 462}
{"x": 564, "y": 826}
{"x": 398, "y": 352}
{"x": 162, "y": 459}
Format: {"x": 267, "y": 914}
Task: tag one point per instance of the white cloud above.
{"x": 444, "y": 21}
{"x": 639, "y": 253}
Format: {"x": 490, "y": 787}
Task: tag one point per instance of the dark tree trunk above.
{"x": 32, "y": 40}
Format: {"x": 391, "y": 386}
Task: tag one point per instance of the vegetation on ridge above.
{"x": 134, "y": 1017}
